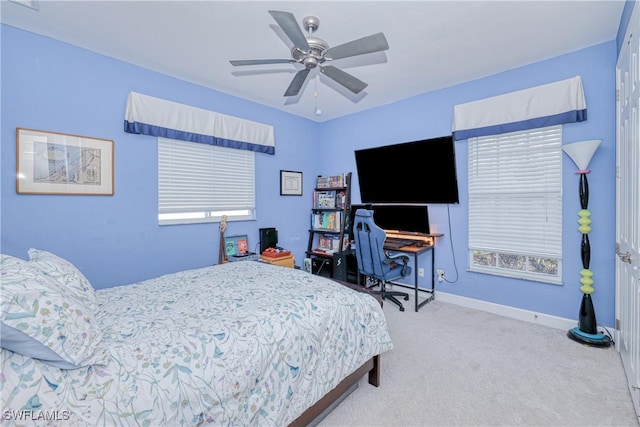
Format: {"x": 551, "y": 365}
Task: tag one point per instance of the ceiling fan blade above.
{"x": 259, "y": 61}
{"x": 373, "y": 43}
{"x": 345, "y": 79}
{"x": 297, "y": 82}
{"x": 288, "y": 23}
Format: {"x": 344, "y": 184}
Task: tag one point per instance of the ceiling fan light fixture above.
{"x": 312, "y": 52}
{"x": 311, "y": 23}
{"x": 310, "y": 62}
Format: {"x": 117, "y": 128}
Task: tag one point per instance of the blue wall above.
{"x": 54, "y": 86}
{"x": 430, "y": 115}
{"x": 115, "y": 240}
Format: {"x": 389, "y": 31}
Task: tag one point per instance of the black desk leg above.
{"x": 415, "y": 265}
{"x": 432, "y": 292}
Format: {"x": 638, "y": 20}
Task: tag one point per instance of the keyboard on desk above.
{"x": 397, "y": 243}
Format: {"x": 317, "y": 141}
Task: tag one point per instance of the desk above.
{"x": 428, "y": 245}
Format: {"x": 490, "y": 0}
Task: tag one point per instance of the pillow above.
{"x": 40, "y": 320}
{"x": 14, "y": 340}
{"x": 65, "y": 273}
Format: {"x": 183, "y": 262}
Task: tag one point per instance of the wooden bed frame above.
{"x": 372, "y": 366}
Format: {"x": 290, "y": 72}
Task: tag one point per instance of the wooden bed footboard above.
{"x": 372, "y": 366}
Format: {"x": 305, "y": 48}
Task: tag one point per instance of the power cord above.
{"x": 613, "y": 343}
{"x": 453, "y": 255}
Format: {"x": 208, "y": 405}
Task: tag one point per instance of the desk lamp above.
{"x": 586, "y": 332}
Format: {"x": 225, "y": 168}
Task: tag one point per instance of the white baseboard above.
{"x": 511, "y": 312}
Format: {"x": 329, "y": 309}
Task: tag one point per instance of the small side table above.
{"x": 286, "y": 261}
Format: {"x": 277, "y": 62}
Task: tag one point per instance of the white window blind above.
{"x": 515, "y": 204}
{"x": 200, "y": 182}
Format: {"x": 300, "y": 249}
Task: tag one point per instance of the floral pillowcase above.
{"x": 66, "y": 274}
{"x": 45, "y": 313}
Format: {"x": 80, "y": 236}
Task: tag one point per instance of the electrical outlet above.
{"x": 421, "y": 272}
{"x": 440, "y": 275}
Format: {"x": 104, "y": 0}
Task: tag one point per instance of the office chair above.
{"x": 373, "y": 260}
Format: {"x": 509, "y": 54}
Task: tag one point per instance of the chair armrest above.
{"x": 402, "y": 258}
{"x": 397, "y": 257}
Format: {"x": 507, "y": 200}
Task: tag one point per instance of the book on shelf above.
{"x": 335, "y": 181}
{"x": 329, "y": 242}
{"x": 325, "y": 199}
{"x": 319, "y": 251}
{"x": 322, "y": 182}
{"x": 330, "y": 221}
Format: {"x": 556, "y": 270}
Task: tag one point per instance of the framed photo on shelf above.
{"x": 59, "y": 163}
{"x": 290, "y": 183}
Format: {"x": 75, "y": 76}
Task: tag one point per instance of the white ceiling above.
{"x": 432, "y": 44}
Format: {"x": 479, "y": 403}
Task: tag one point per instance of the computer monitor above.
{"x": 236, "y": 245}
{"x": 268, "y": 238}
{"x": 411, "y": 219}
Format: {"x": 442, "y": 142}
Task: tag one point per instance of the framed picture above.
{"x": 290, "y": 183}
{"x": 59, "y": 163}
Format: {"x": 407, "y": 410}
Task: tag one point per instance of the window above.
{"x": 201, "y": 182}
{"x": 515, "y": 204}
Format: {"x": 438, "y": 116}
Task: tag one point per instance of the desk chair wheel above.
{"x": 401, "y": 308}
{"x": 406, "y": 298}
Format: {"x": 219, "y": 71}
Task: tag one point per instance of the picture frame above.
{"x": 59, "y": 163}
{"x": 290, "y": 183}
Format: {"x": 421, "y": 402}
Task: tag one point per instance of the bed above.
{"x": 243, "y": 343}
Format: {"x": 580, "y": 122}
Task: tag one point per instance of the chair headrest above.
{"x": 364, "y": 213}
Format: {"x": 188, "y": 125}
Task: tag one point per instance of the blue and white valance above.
{"x": 158, "y": 117}
{"x": 540, "y": 106}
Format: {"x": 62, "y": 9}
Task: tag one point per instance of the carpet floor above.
{"x": 455, "y": 366}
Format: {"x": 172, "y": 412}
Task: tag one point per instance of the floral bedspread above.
{"x": 242, "y": 343}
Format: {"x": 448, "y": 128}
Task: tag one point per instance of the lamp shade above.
{"x": 582, "y": 152}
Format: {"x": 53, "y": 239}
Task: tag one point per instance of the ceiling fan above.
{"x": 313, "y": 52}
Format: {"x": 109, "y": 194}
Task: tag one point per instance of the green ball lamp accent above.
{"x": 584, "y": 221}
{"x": 586, "y": 281}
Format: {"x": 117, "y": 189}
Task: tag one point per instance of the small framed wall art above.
{"x": 290, "y": 183}
{"x": 59, "y": 163}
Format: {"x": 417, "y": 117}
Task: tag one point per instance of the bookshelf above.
{"x": 328, "y": 240}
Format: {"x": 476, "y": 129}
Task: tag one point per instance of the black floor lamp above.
{"x": 587, "y": 330}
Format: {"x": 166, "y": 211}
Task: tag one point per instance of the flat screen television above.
{"x": 412, "y": 172}
{"x": 411, "y": 219}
